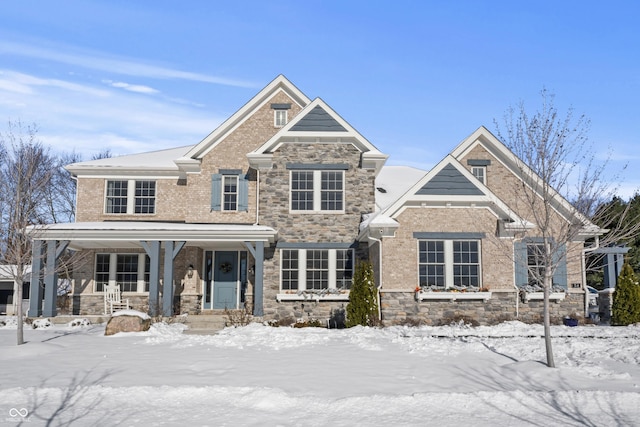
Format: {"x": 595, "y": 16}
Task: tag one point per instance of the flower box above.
{"x": 312, "y": 297}
{"x": 539, "y": 296}
{"x": 452, "y": 296}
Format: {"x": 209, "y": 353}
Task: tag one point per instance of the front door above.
{"x": 225, "y": 280}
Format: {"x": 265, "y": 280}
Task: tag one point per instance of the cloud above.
{"x": 100, "y": 61}
{"x": 132, "y": 88}
{"x": 89, "y": 119}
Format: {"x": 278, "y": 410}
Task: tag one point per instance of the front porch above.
{"x": 209, "y": 266}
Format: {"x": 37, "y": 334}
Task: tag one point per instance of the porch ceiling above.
{"x": 128, "y": 234}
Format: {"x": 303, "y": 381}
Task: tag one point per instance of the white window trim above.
{"x": 484, "y": 173}
{"x": 282, "y": 115}
{"x": 317, "y": 194}
{"x": 113, "y": 266}
{"x": 222, "y": 193}
{"x": 448, "y": 260}
{"x": 300, "y": 294}
{"x": 131, "y": 197}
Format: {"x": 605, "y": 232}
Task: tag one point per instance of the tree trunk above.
{"x": 18, "y": 300}
{"x": 548, "y": 280}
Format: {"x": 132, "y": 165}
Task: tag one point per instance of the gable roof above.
{"x": 463, "y": 190}
{"x": 318, "y": 122}
{"x": 449, "y": 180}
{"x": 482, "y": 136}
{"x": 191, "y": 159}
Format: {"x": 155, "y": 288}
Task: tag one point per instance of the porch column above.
{"x": 152, "y": 249}
{"x": 171, "y": 250}
{"x": 35, "y": 292}
{"x": 54, "y": 250}
{"x": 258, "y": 255}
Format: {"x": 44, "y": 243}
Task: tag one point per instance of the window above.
{"x": 302, "y": 191}
{"x": 314, "y": 190}
{"x": 449, "y": 263}
{"x": 530, "y": 264}
{"x": 279, "y": 118}
{"x": 535, "y": 263}
{"x": 316, "y": 269}
{"x": 130, "y": 196}
{"x": 117, "y": 197}
{"x": 145, "y": 200}
{"x": 480, "y": 172}
{"x": 129, "y": 271}
{"x": 230, "y": 193}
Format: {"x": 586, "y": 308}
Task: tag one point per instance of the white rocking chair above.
{"x": 113, "y": 299}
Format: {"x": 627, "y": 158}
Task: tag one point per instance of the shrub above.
{"x": 363, "y": 298}
{"x": 626, "y": 298}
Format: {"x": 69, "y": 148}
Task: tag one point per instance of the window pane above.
{"x": 535, "y": 264}
{"x": 466, "y": 267}
{"x": 230, "y": 193}
{"x": 302, "y": 190}
{"x": 116, "y": 197}
{"x": 289, "y": 269}
{"x": 344, "y": 268}
{"x": 102, "y": 271}
{"x": 431, "y": 263}
{"x": 317, "y": 269}
{"x": 127, "y": 272}
{"x": 145, "y": 202}
{"x": 331, "y": 191}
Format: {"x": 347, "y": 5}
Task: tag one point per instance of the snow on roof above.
{"x": 161, "y": 159}
{"x": 393, "y": 181}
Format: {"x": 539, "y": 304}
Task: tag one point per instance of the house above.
{"x": 272, "y": 210}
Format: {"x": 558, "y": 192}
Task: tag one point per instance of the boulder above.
{"x": 127, "y": 323}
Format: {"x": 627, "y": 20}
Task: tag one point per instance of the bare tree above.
{"x": 557, "y": 165}
{"x": 25, "y": 175}
{"x": 60, "y": 195}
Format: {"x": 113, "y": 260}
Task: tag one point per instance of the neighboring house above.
{"x": 8, "y": 288}
{"x": 274, "y": 208}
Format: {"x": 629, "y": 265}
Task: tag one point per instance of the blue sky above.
{"x": 414, "y": 77}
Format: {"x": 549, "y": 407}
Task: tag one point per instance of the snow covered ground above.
{"x": 263, "y": 376}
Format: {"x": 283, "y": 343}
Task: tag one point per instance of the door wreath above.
{"x": 226, "y": 267}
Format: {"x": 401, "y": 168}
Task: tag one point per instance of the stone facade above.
{"x": 311, "y": 227}
{"x": 402, "y": 308}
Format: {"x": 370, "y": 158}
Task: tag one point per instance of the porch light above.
{"x": 190, "y": 271}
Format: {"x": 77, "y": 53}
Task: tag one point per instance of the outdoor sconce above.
{"x": 252, "y": 269}
{"x": 190, "y": 271}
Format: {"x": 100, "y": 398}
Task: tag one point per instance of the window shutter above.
{"x": 243, "y": 193}
{"x": 216, "y": 192}
{"x": 520, "y": 254}
{"x": 560, "y": 276}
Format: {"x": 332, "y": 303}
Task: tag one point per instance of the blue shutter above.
{"x": 243, "y": 193}
{"x": 216, "y": 192}
{"x": 560, "y": 258}
{"x": 520, "y": 255}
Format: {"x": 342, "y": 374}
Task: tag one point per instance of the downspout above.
{"x": 257, "y": 197}
{"x": 379, "y": 273}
